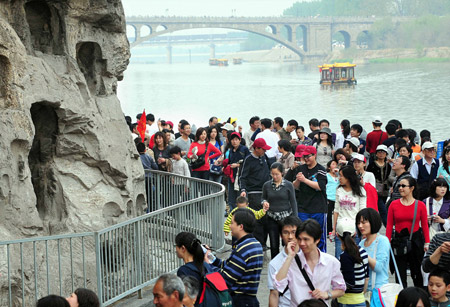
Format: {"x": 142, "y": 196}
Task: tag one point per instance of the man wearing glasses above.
{"x": 400, "y": 167}
{"x": 310, "y": 180}
{"x": 425, "y": 170}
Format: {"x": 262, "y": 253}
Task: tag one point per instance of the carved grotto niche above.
{"x": 92, "y": 65}
{"x": 5, "y": 79}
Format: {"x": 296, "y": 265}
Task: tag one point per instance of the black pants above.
{"x": 382, "y": 210}
{"x": 270, "y": 228}
{"x": 254, "y": 200}
{"x": 240, "y": 300}
{"x": 414, "y": 259}
{"x": 330, "y": 215}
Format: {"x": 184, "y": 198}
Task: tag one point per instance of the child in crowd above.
{"x": 332, "y": 185}
{"x": 179, "y": 167}
{"x": 438, "y": 286}
{"x": 242, "y": 202}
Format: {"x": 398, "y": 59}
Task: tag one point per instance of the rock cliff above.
{"x": 67, "y": 160}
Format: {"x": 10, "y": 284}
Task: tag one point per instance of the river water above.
{"x": 416, "y": 94}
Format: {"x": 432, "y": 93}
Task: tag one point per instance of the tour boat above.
{"x": 218, "y": 62}
{"x": 337, "y": 73}
{"x": 237, "y": 61}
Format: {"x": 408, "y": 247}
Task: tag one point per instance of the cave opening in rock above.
{"x": 49, "y": 199}
{"x": 44, "y": 26}
{"x": 5, "y": 75}
{"x": 92, "y": 65}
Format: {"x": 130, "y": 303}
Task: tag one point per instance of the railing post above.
{"x": 98, "y": 264}
{"x": 139, "y": 256}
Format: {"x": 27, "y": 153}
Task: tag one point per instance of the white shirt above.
{"x": 274, "y": 266}
{"x": 151, "y": 129}
{"x": 248, "y": 139}
{"x": 436, "y": 207}
{"x": 415, "y": 168}
{"x": 369, "y": 177}
{"x": 271, "y": 139}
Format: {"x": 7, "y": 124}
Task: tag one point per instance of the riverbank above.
{"x": 356, "y": 56}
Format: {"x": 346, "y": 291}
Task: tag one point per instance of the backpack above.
{"x": 213, "y": 290}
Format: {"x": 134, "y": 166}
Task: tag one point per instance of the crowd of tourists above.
{"x": 302, "y": 189}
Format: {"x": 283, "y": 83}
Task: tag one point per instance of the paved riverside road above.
{"x": 263, "y": 291}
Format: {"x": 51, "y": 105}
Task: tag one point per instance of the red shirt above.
{"x": 200, "y": 151}
{"x": 402, "y": 216}
{"x": 373, "y": 140}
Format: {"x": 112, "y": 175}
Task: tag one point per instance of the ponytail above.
{"x": 193, "y": 246}
{"x": 350, "y": 247}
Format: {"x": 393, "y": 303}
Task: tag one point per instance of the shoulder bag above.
{"x": 200, "y": 161}
{"x": 305, "y": 275}
{"x": 386, "y": 295}
{"x": 403, "y": 245}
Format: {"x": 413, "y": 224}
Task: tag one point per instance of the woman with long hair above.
{"x": 201, "y": 149}
{"x": 413, "y": 297}
{"x": 190, "y": 250}
{"x": 342, "y": 157}
{"x": 324, "y": 146}
{"x": 443, "y": 170}
{"x": 213, "y": 137}
{"x": 343, "y": 135}
{"x": 83, "y": 297}
{"x": 368, "y": 224}
{"x": 401, "y": 215}
{"x": 350, "y": 199}
{"x": 279, "y": 194}
{"x": 354, "y": 266}
{"x": 438, "y": 206}
{"x": 287, "y": 157}
{"x": 161, "y": 151}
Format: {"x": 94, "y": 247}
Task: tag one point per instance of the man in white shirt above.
{"x": 425, "y": 170}
{"x": 151, "y": 127}
{"x": 288, "y": 228}
{"x": 254, "y": 124}
{"x": 271, "y": 139}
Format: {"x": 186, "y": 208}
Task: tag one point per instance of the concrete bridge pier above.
{"x": 212, "y": 53}
{"x": 169, "y": 54}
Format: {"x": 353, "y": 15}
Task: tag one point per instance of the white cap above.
{"x": 228, "y": 127}
{"x": 427, "y": 145}
{"x": 377, "y": 120}
{"x": 354, "y": 141}
{"x": 359, "y": 157}
{"x": 383, "y": 148}
{"x": 345, "y": 225}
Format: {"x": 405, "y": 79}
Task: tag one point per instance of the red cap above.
{"x": 168, "y": 122}
{"x": 309, "y": 150}
{"x": 299, "y": 150}
{"x": 235, "y": 134}
{"x": 260, "y": 143}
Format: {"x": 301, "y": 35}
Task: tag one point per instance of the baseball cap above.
{"x": 382, "y": 148}
{"x": 261, "y": 143}
{"x": 377, "y": 120}
{"x": 309, "y": 150}
{"x": 345, "y": 225}
{"x": 427, "y": 145}
{"x": 168, "y": 122}
{"x": 228, "y": 127}
{"x": 299, "y": 150}
{"x": 235, "y": 134}
{"x": 359, "y": 157}
{"x": 354, "y": 141}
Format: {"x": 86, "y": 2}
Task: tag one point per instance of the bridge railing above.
{"x": 119, "y": 260}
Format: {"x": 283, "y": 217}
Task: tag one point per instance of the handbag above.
{"x": 400, "y": 245}
{"x": 215, "y": 169}
{"x": 200, "y": 161}
{"x": 305, "y": 275}
{"x": 386, "y": 295}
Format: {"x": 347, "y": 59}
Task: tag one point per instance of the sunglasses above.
{"x": 308, "y": 156}
{"x": 403, "y": 186}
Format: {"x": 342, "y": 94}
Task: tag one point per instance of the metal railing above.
{"x": 119, "y": 260}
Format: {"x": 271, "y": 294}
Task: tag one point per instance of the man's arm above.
{"x": 244, "y": 174}
{"x": 273, "y": 298}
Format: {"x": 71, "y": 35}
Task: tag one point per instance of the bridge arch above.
{"x": 301, "y": 37}
{"x": 363, "y": 39}
{"x": 346, "y": 36}
{"x": 260, "y": 30}
{"x": 160, "y": 28}
{"x": 271, "y": 29}
{"x": 287, "y": 32}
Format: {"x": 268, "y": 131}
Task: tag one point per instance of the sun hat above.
{"x": 345, "y": 225}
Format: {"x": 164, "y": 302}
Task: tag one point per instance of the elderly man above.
{"x": 168, "y": 291}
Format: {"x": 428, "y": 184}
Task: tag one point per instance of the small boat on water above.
{"x": 218, "y": 62}
{"x": 337, "y": 73}
{"x": 237, "y": 61}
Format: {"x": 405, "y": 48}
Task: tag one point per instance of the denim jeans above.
{"x": 321, "y": 218}
{"x": 363, "y": 304}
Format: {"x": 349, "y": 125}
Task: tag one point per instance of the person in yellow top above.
{"x": 242, "y": 202}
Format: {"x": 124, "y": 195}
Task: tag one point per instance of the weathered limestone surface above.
{"x": 67, "y": 160}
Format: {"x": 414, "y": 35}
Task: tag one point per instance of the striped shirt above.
{"x": 354, "y": 273}
{"x": 258, "y": 214}
{"x": 242, "y": 270}
{"x": 444, "y": 261}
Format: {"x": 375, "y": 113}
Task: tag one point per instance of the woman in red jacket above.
{"x": 197, "y": 151}
{"x": 400, "y": 216}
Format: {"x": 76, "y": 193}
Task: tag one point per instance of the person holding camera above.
{"x": 411, "y": 236}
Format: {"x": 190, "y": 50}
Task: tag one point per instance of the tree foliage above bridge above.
{"x": 369, "y": 8}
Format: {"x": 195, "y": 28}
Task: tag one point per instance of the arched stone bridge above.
{"x": 317, "y": 32}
